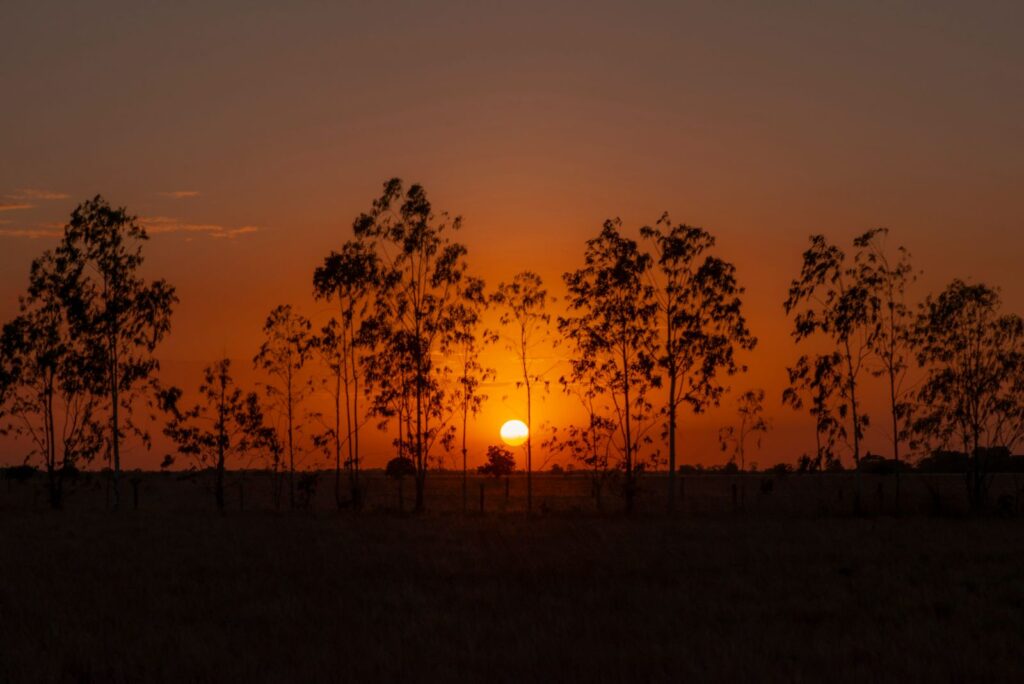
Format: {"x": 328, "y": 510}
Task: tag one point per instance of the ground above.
{"x": 260, "y": 596}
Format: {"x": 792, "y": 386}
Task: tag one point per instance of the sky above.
{"x": 248, "y": 135}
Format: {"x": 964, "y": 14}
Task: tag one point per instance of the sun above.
{"x": 514, "y": 432}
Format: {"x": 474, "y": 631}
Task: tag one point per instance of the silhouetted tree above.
{"x": 750, "y": 421}
{"x": 701, "y": 321}
{"x": 348, "y": 278}
{"x": 47, "y": 374}
{"x": 973, "y": 392}
{"x": 283, "y": 354}
{"x": 832, "y": 297}
{"x": 524, "y": 308}
{"x": 589, "y": 444}
{"x": 464, "y": 343}
{"x": 610, "y": 325}
{"x": 226, "y": 422}
{"x": 819, "y": 380}
{"x": 421, "y": 267}
{"x": 500, "y": 462}
{"x": 116, "y": 311}
{"x": 887, "y": 277}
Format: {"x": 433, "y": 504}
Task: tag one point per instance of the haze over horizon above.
{"x": 248, "y": 136}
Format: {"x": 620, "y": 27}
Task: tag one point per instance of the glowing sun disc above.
{"x": 514, "y": 432}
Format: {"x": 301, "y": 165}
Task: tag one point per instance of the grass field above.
{"x": 256, "y": 596}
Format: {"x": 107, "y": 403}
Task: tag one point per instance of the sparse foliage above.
{"x": 700, "y": 320}
{"x": 523, "y": 303}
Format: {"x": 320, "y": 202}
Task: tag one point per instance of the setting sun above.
{"x": 514, "y": 432}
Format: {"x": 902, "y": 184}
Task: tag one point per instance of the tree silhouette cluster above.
{"x": 652, "y": 326}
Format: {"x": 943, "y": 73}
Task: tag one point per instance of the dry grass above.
{"x": 262, "y": 597}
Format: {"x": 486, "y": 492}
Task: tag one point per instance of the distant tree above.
{"x": 590, "y": 446}
{"x": 421, "y": 268}
{"x": 283, "y": 355}
{"x": 500, "y": 462}
{"x": 463, "y": 343}
{"x": 348, "y": 278}
{"x": 832, "y": 297}
{"x": 523, "y": 303}
{"x": 610, "y": 326}
{"x": 120, "y": 314}
{"x": 47, "y": 375}
{"x": 701, "y": 323}
{"x": 750, "y": 421}
{"x": 819, "y": 381}
{"x": 888, "y": 276}
{"x": 225, "y": 423}
{"x": 973, "y": 393}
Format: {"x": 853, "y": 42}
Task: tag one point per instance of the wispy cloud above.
{"x": 14, "y": 206}
{"x": 180, "y": 194}
{"x": 157, "y": 225}
{"x": 30, "y": 233}
{"x": 36, "y": 194}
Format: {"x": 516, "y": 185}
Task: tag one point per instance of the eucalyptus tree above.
{"x": 523, "y": 303}
{"x": 47, "y": 377}
{"x": 225, "y": 423}
{"x": 590, "y": 443}
{"x": 973, "y": 392}
{"x": 463, "y": 344}
{"x": 701, "y": 323}
{"x": 421, "y": 268}
{"x": 610, "y": 326}
{"x": 288, "y": 346}
{"x": 347, "y": 278}
{"x": 750, "y": 422}
{"x": 119, "y": 313}
{"x": 818, "y": 380}
{"x": 833, "y": 298}
{"x": 888, "y": 276}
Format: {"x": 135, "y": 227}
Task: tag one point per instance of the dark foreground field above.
{"x": 264, "y": 597}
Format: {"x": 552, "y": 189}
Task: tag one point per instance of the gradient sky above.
{"x": 248, "y": 135}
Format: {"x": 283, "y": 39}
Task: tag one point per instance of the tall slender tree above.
{"x": 47, "y": 375}
{"x": 524, "y": 303}
{"x": 225, "y": 423}
{"x": 349, "y": 278}
{"x": 463, "y": 344}
{"x": 888, "y": 276}
{"x": 283, "y": 355}
{"x": 832, "y": 297}
{"x": 117, "y": 311}
{"x": 610, "y": 324}
{"x": 701, "y": 323}
{"x": 421, "y": 268}
{"x": 973, "y": 392}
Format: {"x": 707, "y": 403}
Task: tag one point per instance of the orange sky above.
{"x": 252, "y": 134}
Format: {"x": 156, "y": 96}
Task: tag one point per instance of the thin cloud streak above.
{"x": 179, "y": 194}
{"x": 36, "y": 194}
{"x": 30, "y": 233}
{"x": 165, "y": 225}
{"x": 15, "y": 206}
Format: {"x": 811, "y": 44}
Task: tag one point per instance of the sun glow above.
{"x": 514, "y": 432}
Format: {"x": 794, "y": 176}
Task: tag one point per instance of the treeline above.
{"x": 651, "y": 328}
